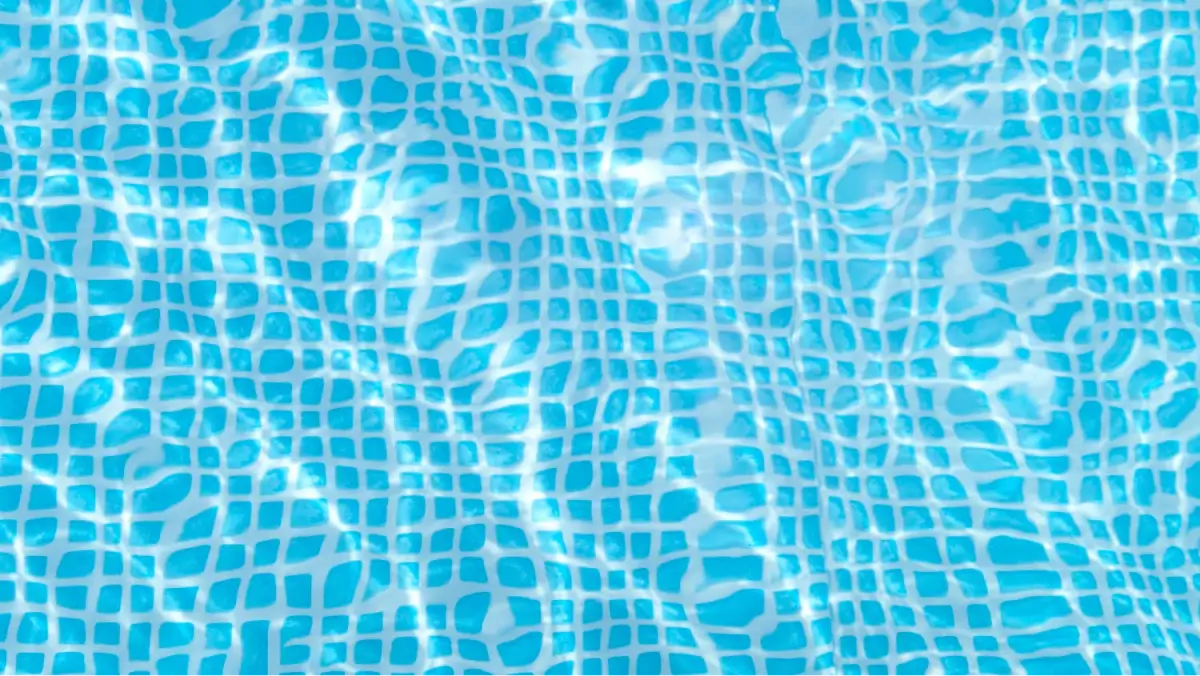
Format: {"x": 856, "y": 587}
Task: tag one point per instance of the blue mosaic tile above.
{"x": 412, "y": 336}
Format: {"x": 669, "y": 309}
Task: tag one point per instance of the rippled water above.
{"x": 385, "y": 336}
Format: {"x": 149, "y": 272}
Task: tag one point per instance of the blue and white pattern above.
{"x": 613, "y": 336}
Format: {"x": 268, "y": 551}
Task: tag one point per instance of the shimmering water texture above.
{"x": 598, "y": 336}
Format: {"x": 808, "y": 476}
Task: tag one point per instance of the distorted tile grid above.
{"x": 386, "y": 336}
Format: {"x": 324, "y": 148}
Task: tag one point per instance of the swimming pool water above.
{"x": 721, "y": 336}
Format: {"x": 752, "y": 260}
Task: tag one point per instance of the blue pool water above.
{"x": 715, "y": 336}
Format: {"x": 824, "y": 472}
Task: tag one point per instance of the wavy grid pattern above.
{"x": 596, "y": 337}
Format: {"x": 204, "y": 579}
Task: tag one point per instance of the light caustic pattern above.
{"x": 600, "y": 336}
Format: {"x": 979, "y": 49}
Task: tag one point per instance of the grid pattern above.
{"x": 626, "y": 337}
{"x": 335, "y": 342}
{"x": 999, "y": 345}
